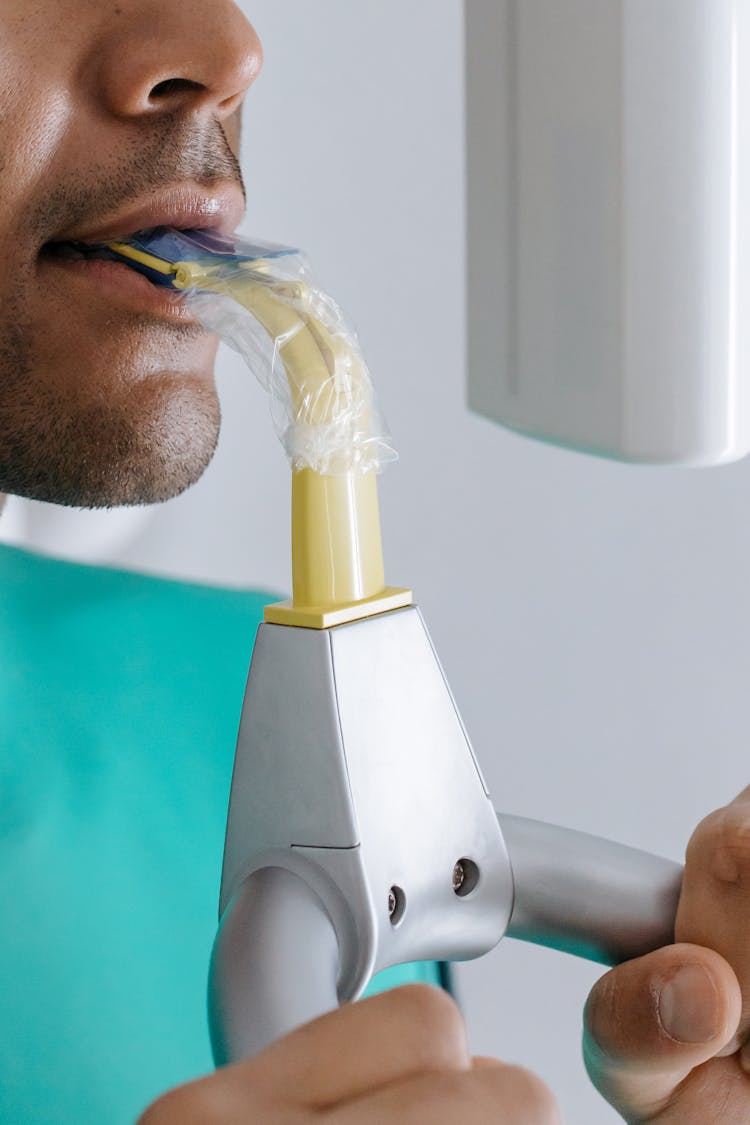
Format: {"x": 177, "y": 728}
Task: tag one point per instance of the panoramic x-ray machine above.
{"x": 608, "y": 159}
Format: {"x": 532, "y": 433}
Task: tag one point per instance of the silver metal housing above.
{"x": 354, "y": 771}
{"x": 355, "y": 796}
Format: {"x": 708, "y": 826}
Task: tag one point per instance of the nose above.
{"x": 163, "y": 56}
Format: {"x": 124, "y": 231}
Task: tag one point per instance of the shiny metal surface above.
{"x": 361, "y": 835}
{"x": 274, "y": 964}
{"x": 354, "y": 772}
{"x": 588, "y": 896}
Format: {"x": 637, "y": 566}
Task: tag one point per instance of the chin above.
{"x": 144, "y": 445}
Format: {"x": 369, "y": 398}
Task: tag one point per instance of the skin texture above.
{"x": 101, "y": 404}
{"x": 401, "y": 1058}
{"x": 671, "y": 1053}
{"x": 104, "y": 104}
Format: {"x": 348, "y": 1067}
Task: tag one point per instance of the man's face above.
{"x": 115, "y": 116}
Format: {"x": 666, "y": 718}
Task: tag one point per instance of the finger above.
{"x": 714, "y": 907}
{"x": 365, "y": 1046}
{"x": 489, "y": 1095}
{"x": 479, "y": 1062}
{"x": 650, "y": 1022}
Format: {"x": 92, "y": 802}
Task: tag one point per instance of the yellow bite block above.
{"x": 337, "y": 553}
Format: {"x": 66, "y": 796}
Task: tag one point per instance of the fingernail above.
{"x": 689, "y": 1007}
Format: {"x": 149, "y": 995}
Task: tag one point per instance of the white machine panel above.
{"x": 608, "y": 211}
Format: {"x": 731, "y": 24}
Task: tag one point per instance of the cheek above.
{"x": 37, "y": 63}
{"x": 30, "y": 136}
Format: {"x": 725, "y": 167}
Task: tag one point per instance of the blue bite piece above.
{"x": 203, "y": 247}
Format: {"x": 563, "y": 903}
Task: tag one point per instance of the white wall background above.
{"x": 593, "y": 619}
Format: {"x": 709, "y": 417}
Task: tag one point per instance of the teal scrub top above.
{"x": 120, "y": 698}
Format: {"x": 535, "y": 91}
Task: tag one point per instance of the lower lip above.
{"x": 117, "y": 282}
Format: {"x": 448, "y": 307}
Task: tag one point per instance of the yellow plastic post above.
{"x": 337, "y": 554}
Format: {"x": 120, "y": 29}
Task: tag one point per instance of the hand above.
{"x": 401, "y": 1057}
{"x": 666, "y": 1036}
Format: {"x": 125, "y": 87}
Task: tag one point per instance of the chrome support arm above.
{"x": 587, "y": 896}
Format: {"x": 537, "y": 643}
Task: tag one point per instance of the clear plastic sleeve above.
{"x": 264, "y": 302}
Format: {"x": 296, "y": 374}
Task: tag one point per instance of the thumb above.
{"x": 650, "y": 1022}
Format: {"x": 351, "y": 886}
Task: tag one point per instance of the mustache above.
{"x": 174, "y": 151}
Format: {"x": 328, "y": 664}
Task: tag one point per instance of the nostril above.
{"x": 174, "y": 86}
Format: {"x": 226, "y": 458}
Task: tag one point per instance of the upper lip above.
{"x": 182, "y": 207}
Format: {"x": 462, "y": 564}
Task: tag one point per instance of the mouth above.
{"x": 105, "y": 278}
{"x": 77, "y": 250}
{"x": 179, "y": 207}
{"x": 82, "y": 253}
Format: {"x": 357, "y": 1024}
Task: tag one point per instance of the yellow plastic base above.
{"x": 322, "y": 617}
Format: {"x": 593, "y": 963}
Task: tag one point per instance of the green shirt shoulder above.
{"x": 120, "y": 700}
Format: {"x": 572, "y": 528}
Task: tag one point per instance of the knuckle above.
{"x": 721, "y": 843}
{"x": 436, "y": 1026}
{"x": 168, "y": 1108}
{"x": 186, "y": 1105}
{"x": 442, "y": 1096}
{"x": 474, "y": 1095}
{"x": 530, "y": 1092}
{"x": 426, "y": 1100}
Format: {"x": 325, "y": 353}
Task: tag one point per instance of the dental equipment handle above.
{"x": 275, "y": 962}
{"x": 274, "y": 965}
{"x": 588, "y": 896}
{"x": 360, "y": 832}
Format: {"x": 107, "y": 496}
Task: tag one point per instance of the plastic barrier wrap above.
{"x": 264, "y": 302}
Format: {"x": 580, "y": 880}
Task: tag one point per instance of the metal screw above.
{"x": 465, "y": 877}
{"x": 396, "y": 905}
